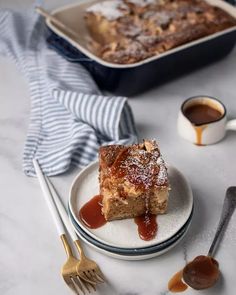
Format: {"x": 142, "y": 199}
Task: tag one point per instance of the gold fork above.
{"x": 87, "y": 269}
{"x": 70, "y": 274}
{"x": 69, "y": 270}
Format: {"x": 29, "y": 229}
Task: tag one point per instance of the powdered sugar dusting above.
{"x": 147, "y": 199}
{"x": 111, "y": 10}
{"x": 144, "y": 168}
{"x": 162, "y": 175}
{"x": 141, "y": 3}
{"x": 130, "y": 30}
{"x": 162, "y": 18}
{"x": 125, "y": 52}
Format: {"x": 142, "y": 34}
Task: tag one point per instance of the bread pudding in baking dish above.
{"x": 128, "y": 31}
{"x": 133, "y": 180}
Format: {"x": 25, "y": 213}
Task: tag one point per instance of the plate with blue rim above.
{"x": 135, "y": 253}
{"x": 115, "y": 233}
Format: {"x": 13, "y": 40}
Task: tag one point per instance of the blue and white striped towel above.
{"x": 70, "y": 118}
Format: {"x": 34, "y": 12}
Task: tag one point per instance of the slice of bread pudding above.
{"x": 133, "y": 180}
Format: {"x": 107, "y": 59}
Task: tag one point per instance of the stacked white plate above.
{"x": 120, "y": 238}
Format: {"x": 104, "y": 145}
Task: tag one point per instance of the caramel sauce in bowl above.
{"x": 202, "y": 120}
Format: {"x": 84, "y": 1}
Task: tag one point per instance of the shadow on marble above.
{"x": 219, "y": 287}
{"x": 144, "y": 129}
{"x": 230, "y": 136}
{"x": 198, "y": 220}
{"x": 108, "y": 288}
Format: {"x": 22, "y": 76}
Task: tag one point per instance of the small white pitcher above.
{"x": 207, "y": 133}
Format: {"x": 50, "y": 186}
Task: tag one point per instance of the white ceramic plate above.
{"x": 115, "y": 233}
{"x": 132, "y": 251}
{"x": 130, "y": 257}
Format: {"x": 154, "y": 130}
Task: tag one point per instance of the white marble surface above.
{"x": 30, "y": 252}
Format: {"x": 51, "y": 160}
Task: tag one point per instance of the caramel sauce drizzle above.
{"x": 176, "y": 284}
{"x": 199, "y": 130}
{"x": 147, "y": 226}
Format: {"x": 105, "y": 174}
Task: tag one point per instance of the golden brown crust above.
{"x": 133, "y": 30}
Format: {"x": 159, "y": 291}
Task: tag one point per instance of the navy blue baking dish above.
{"x": 135, "y": 78}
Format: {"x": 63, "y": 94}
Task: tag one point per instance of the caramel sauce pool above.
{"x": 176, "y": 284}
{"x": 147, "y": 226}
{"x": 91, "y": 215}
{"x": 201, "y": 115}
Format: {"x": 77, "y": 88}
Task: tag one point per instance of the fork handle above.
{"x": 62, "y": 210}
{"x": 52, "y": 207}
{"x": 79, "y": 247}
{"x": 49, "y": 200}
{"x": 55, "y": 205}
{"x": 64, "y": 217}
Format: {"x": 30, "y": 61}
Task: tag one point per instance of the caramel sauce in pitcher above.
{"x": 200, "y": 115}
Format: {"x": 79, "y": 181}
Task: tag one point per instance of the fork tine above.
{"x": 92, "y": 276}
{"x": 78, "y": 282}
{"x": 89, "y": 275}
{"x": 76, "y": 285}
{"x": 91, "y": 285}
{"x": 83, "y": 284}
{"x": 85, "y": 278}
{"x": 71, "y": 285}
{"x": 86, "y": 284}
{"x": 100, "y": 274}
{"x": 96, "y": 278}
{"x": 99, "y": 279}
